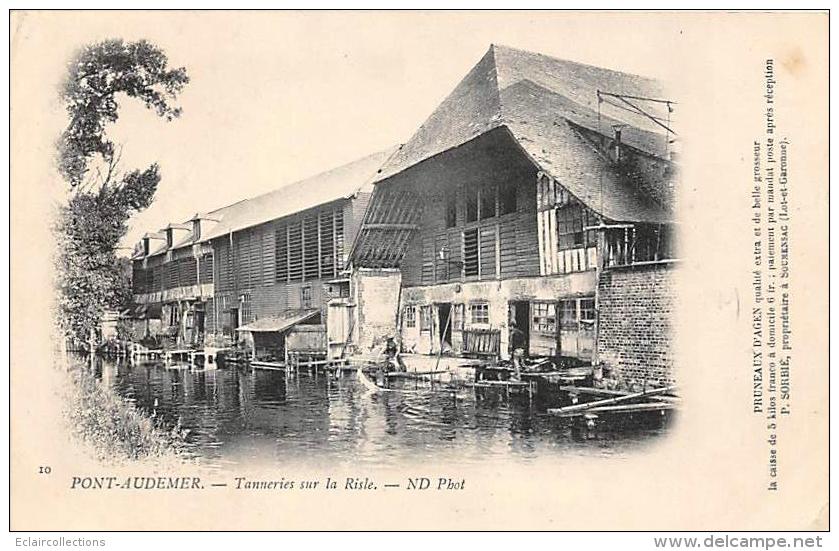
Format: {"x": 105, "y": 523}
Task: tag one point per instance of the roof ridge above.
{"x": 390, "y": 150}
{"x": 503, "y": 47}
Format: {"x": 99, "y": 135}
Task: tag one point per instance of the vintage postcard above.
{"x": 419, "y": 270}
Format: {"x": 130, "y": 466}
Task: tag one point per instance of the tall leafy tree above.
{"x": 102, "y": 197}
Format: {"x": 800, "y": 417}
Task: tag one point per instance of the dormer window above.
{"x": 169, "y": 240}
{"x": 145, "y": 246}
{"x": 196, "y": 229}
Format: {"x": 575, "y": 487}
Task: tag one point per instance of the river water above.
{"x": 237, "y": 417}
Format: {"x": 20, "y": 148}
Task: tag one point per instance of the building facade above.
{"x": 248, "y": 273}
{"x": 534, "y": 215}
{"x": 533, "y": 210}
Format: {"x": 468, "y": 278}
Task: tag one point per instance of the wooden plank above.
{"x": 540, "y": 221}
{"x": 320, "y": 246}
{"x": 497, "y": 250}
{"x": 552, "y": 241}
{"x": 393, "y": 226}
{"x": 334, "y": 228}
{"x": 610, "y": 401}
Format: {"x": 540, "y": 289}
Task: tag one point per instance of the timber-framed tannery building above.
{"x": 535, "y": 204}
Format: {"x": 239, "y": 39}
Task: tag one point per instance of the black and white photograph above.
{"x": 442, "y": 254}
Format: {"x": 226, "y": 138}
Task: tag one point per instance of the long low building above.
{"x": 249, "y": 271}
{"x": 533, "y": 210}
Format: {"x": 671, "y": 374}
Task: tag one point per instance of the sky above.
{"x": 278, "y": 96}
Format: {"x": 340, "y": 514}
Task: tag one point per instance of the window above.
{"x": 247, "y": 311}
{"x": 295, "y": 251}
{"x": 570, "y": 221}
{"x": 487, "y": 202}
{"x": 576, "y": 312}
{"x": 341, "y": 289}
{"x": 507, "y": 198}
{"x": 174, "y": 315}
{"x": 281, "y": 248}
{"x": 479, "y": 312}
{"x": 457, "y": 317}
{"x": 327, "y": 245}
{"x": 306, "y": 297}
{"x": 310, "y": 247}
{"x": 588, "y": 314}
{"x": 425, "y": 318}
{"x": 569, "y": 227}
{"x": 544, "y": 317}
{"x": 410, "y": 316}
{"x": 471, "y": 200}
{"x": 470, "y": 252}
{"x": 568, "y": 314}
{"x": 451, "y": 208}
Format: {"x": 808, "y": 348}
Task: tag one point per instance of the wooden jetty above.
{"x": 309, "y": 365}
{"x": 209, "y": 356}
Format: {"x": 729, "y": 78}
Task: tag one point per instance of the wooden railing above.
{"x": 482, "y": 342}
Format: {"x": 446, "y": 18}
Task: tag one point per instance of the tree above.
{"x": 102, "y": 198}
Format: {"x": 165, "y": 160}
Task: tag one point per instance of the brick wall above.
{"x": 636, "y": 320}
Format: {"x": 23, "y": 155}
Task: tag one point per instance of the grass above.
{"x": 114, "y": 429}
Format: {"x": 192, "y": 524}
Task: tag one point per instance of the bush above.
{"x": 115, "y": 429}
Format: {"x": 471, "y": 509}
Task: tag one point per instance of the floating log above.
{"x": 609, "y": 401}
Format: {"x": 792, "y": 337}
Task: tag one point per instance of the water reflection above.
{"x": 237, "y": 416}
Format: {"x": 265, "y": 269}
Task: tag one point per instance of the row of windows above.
{"x": 478, "y": 313}
{"x": 478, "y": 245}
{"x": 182, "y": 272}
{"x": 480, "y": 202}
{"x": 573, "y": 313}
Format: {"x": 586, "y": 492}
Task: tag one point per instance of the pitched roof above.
{"x": 539, "y": 99}
{"x": 343, "y": 181}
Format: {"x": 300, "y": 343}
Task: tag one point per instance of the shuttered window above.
{"x": 470, "y": 252}
{"x": 310, "y": 248}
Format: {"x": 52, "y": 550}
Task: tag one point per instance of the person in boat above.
{"x": 393, "y": 357}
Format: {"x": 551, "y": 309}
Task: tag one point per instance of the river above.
{"x": 238, "y": 417}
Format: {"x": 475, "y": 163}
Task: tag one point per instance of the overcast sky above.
{"x": 275, "y": 97}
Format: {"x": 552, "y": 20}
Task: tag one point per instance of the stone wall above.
{"x": 375, "y": 293}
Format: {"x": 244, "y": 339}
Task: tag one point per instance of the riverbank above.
{"x": 113, "y": 428}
